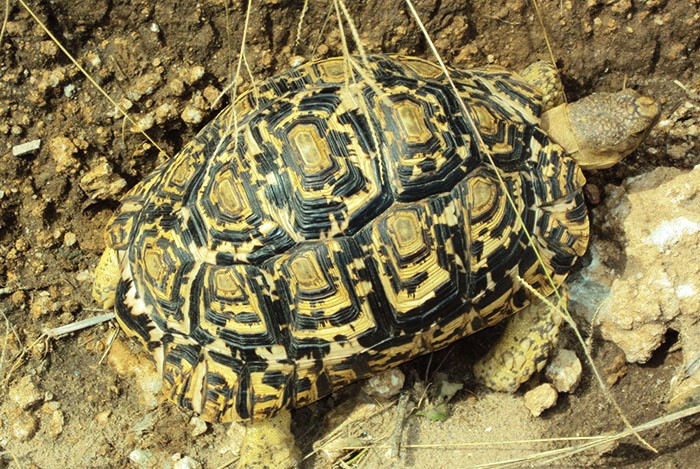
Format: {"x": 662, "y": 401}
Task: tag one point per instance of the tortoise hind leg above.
{"x": 522, "y": 350}
{"x": 545, "y": 76}
{"x": 269, "y": 443}
{"x": 107, "y": 274}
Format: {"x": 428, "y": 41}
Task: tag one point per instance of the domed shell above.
{"x": 327, "y": 226}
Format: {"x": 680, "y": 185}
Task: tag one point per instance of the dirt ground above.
{"x": 166, "y": 62}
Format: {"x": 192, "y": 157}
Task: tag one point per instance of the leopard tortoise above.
{"x": 338, "y": 220}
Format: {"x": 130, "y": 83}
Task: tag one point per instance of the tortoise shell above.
{"x": 326, "y": 227}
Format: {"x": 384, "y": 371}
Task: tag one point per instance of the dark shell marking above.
{"x": 315, "y": 233}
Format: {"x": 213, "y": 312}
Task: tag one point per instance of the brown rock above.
{"x": 541, "y": 398}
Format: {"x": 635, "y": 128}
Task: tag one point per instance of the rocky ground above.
{"x": 67, "y": 156}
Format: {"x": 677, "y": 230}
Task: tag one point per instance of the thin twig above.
{"x": 78, "y": 325}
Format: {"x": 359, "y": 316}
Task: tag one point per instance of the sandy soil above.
{"x": 167, "y": 61}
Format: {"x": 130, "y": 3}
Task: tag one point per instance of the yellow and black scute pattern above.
{"x": 323, "y": 228}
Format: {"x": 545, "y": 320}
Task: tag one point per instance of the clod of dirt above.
{"x": 56, "y": 418}
{"x": 50, "y": 79}
{"x": 25, "y": 393}
{"x": 616, "y": 368}
{"x": 212, "y": 95}
{"x": 541, "y": 398}
{"x": 564, "y": 370}
{"x": 146, "y": 85}
{"x": 44, "y": 303}
{"x": 63, "y": 152}
{"x": 165, "y": 112}
{"x": 683, "y": 128}
{"x": 100, "y": 182}
{"x": 659, "y": 287}
{"x": 144, "y": 123}
{"x": 193, "y": 74}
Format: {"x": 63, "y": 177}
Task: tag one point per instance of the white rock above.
{"x": 199, "y": 426}
{"x": 143, "y": 457}
{"x": 192, "y": 115}
{"x": 385, "y": 385}
{"x": 187, "y": 463}
{"x": 27, "y": 147}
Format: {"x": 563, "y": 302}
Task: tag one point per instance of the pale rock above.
{"x": 24, "y": 426}
{"x": 564, "y": 370}
{"x": 199, "y": 426}
{"x": 658, "y": 284}
{"x": 186, "y": 462}
{"x": 659, "y": 288}
{"x": 541, "y": 398}
{"x": 25, "y": 393}
{"x": 385, "y": 385}
{"x": 143, "y": 458}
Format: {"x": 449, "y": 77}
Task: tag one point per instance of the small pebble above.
{"x": 69, "y": 239}
{"x": 541, "y": 398}
{"x": 83, "y": 276}
{"x": 192, "y": 115}
{"x": 103, "y": 417}
{"x": 56, "y": 423}
{"x": 144, "y": 123}
{"x": 25, "y": 393}
{"x": 564, "y": 370}
{"x": 27, "y": 147}
{"x": 296, "y": 60}
{"x": 186, "y": 463}
{"x": 25, "y": 426}
{"x": 385, "y": 385}
{"x": 195, "y": 74}
{"x": 143, "y": 457}
{"x": 199, "y": 426}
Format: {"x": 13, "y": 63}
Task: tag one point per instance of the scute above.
{"x": 322, "y": 229}
{"x": 233, "y": 307}
{"x": 424, "y": 271}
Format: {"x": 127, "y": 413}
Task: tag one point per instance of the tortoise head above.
{"x": 601, "y": 129}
